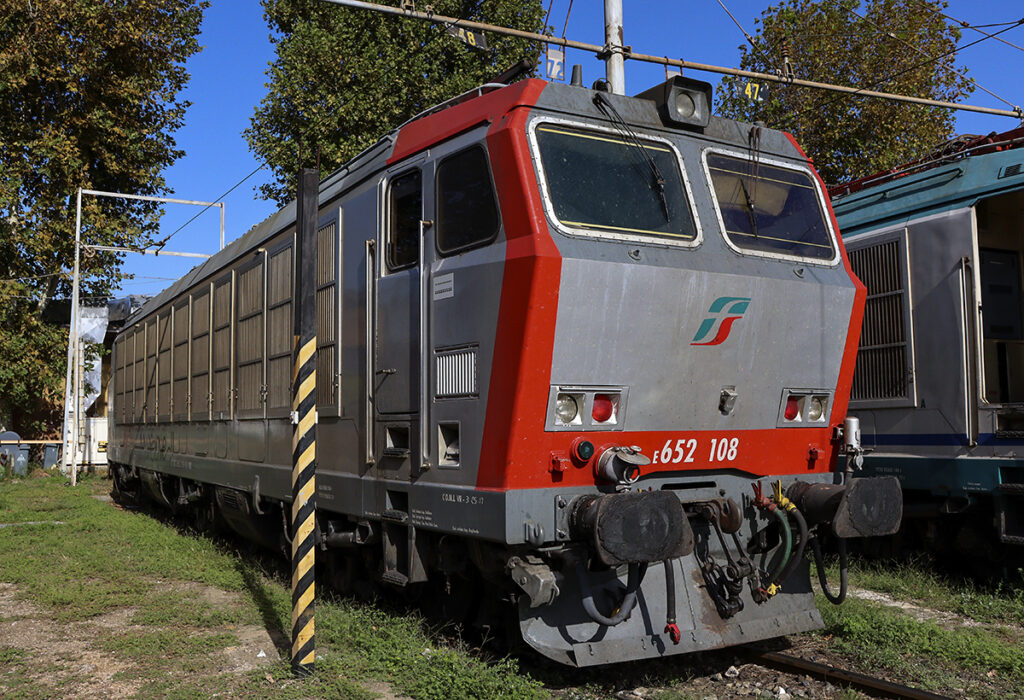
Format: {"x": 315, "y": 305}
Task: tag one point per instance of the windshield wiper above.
{"x": 658, "y": 180}
{"x": 750, "y": 208}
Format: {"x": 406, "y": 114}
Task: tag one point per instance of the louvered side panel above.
{"x": 222, "y": 393}
{"x": 455, "y": 371}
{"x": 327, "y": 317}
{"x": 882, "y": 372}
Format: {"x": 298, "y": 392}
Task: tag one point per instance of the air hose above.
{"x": 625, "y": 606}
{"x": 843, "y": 569}
{"x": 798, "y": 555}
{"x": 671, "y": 628}
{"x": 775, "y": 506}
{"x": 787, "y": 545}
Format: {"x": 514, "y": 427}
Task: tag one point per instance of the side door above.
{"x": 406, "y": 252}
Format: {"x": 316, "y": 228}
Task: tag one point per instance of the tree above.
{"x": 900, "y": 46}
{"x": 88, "y": 98}
{"x": 343, "y": 77}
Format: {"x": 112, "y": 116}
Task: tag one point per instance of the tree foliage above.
{"x": 88, "y": 98}
{"x": 343, "y": 77}
{"x": 899, "y": 46}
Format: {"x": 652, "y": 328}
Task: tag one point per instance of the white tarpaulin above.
{"x": 93, "y": 330}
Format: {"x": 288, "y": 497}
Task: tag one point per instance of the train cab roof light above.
{"x": 682, "y": 102}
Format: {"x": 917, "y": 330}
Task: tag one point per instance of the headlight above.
{"x": 684, "y": 105}
{"x": 566, "y": 408}
{"x": 816, "y": 409}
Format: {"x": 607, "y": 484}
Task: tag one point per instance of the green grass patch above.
{"x": 105, "y": 559}
{"x": 11, "y": 655}
{"x": 918, "y": 581}
{"x": 179, "y": 609}
{"x": 166, "y": 644}
{"x": 924, "y": 652}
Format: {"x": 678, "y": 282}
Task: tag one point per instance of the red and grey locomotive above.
{"x": 590, "y": 350}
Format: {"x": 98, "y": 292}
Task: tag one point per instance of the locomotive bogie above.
{"x": 549, "y": 356}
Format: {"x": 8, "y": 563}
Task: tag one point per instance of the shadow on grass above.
{"x": 257, "y": 587}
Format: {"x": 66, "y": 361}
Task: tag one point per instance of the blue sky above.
{"x": 228, "y": 79}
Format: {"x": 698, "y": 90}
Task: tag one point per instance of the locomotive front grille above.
{"x": 456, "y": 373}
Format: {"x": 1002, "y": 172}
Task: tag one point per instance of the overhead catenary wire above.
{"x": 565, "y": 25}
{"x": 975, "y": 27}
{"x": 681, "y": 63}
{"x": 1016, "y": 112}
{"x": 163, "y": 242}
{"x": 892, "y": 35}
{"x": 750, "y": 39}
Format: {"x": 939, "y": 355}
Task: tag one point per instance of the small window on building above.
{"x": 405, "y": 204}
{"x": 467, "y": 213}
{"x": 768, "y": 209}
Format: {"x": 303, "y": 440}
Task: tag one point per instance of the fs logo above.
{"x": 724, "y": 312}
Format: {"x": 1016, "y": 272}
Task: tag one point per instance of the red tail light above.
{"x": 792, "y": 408}
{"x": 603, "y": 409}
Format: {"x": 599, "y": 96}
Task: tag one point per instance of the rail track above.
{"x": 876, "y": 687}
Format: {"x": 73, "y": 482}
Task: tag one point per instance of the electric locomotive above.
{"x": 589, "y": 352}
{"x": 939, "y": 384}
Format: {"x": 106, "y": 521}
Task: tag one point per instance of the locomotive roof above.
{"x": 485, "y": 104}
{"x": 958, "y": 175}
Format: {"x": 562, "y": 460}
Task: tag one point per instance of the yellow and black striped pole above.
{"x": 304, "y": 422}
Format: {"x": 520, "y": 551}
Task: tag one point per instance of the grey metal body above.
{"x": 626, "y": 314}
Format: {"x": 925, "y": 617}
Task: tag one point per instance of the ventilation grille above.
{"x": 1010, "y": 171}
{"x": 882, "y": 366}
{"x": 456, "y": 373}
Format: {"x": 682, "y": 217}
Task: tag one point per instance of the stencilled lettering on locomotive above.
{"x": 689, "y": 451}
{"x": 464, "y": 499}
{"x": 182, "y": 463}
{"x": 422, "y": 517}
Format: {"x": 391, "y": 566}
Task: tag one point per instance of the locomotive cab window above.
{"x": 612, "y": 185}
{"x": 405, "y": 205}
{"x": 467, "y": 213}
{"x": 768, "y": 209}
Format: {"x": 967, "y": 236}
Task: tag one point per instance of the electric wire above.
{"x": 750, "y": 39}
{"x": 892, "y": 35}
{"x": 974, "y": 27}
{"x": 32, "y": 277}
{"x": 547, "y": 15}
{"x": 565, "y": 25}
{"x": 163, "y": 242}
{"x": 818, "y": 105}
{"x": 160, "y": 244}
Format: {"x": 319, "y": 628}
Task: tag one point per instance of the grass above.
{"x": 982, "y": 660}
{"x": 105, "y": 559}
{"x": 183, "y": 600}
{"x": 917, "y": 580}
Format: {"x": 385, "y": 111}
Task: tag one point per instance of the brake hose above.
{"x": 843, "y": 567}
{"x": 798, "y": 555}
{"x": 787, "y": 546}
{"x": 671, "y": 628}
{"x": 625, "y": 607}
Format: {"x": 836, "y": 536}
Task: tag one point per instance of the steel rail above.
{"x": 1016, "y": 113}
{"x": 877, "y": 687}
